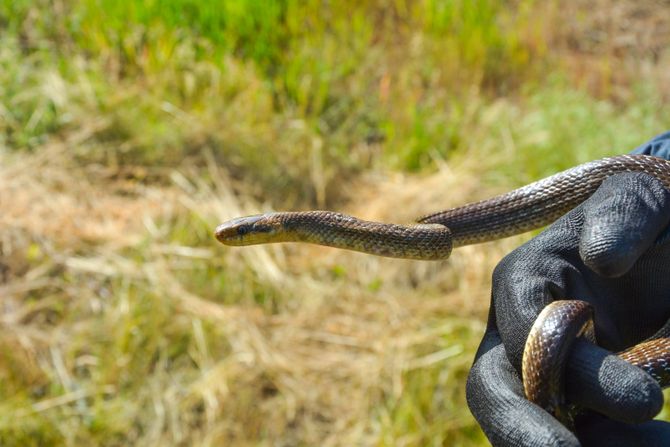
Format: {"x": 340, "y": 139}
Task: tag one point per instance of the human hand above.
{"x": 612, "y": 251}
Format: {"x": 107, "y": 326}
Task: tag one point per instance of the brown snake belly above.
{"x": 515, "y": 212}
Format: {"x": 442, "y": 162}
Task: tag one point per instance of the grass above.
{"x": 128, "y": 130}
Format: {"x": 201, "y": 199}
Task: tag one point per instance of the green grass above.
{"x": 282, "y": 78}
{"x": 130, "y": 129}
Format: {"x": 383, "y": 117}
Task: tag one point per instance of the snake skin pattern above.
{"x": 428, "y": 241}
{"x": 550, "y": 340}
{"x": 652, "y": 355}
{"x": 540, "y": 203}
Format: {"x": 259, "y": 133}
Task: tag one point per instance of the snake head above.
{"x": 249, "y": 230}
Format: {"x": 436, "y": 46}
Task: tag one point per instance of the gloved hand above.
{"x": 614, "y": 252}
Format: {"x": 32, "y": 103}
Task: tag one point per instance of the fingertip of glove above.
{"x": 603, "y": 382}
{"x": 622, "y": 219}
{"x": 642, "y": 401}
{"x": 609, "y": 255}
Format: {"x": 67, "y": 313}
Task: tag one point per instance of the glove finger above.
{"x": 622, "y": 219}
{"x": 599, "y": 380}
{"x": 595, "y": 378}
{"x": 495, "y": 397}
{"x": 596, "y": 430}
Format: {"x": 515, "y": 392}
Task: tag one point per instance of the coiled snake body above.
{"x": 434, "y": 236}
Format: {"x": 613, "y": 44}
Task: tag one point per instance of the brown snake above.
{"x": 433, "y": 237}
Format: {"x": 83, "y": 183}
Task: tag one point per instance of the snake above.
{"x": 433, "y": 237}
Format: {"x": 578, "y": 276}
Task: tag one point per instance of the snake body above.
{"x": 433, "y": 237}
{"x": 549, "y": 342}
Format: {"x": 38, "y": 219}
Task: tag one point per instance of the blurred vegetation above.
{"x": 282, "y": 91}
{"x": 129, "y": 129}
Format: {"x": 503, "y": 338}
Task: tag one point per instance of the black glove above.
{"x": 612, "y": 252}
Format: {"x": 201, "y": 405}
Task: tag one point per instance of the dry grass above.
{"x": 124, "y": 321}
{"x": 611, "y": 46}
{"x": 96, "y": 290}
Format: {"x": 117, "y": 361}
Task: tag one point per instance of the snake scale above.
{"x": 433, "y": 237}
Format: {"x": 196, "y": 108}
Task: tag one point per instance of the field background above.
{"x": 129, "y": 130}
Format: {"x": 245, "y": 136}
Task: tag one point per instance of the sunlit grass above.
{"x": 128, "y": 130}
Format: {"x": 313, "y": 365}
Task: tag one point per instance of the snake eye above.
{"x": 242, "y": 230}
